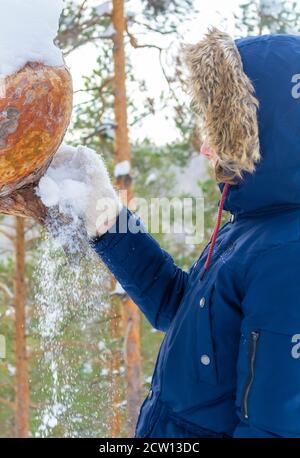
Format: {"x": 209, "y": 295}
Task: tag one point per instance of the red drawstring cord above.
{"x": 216, "y": 230}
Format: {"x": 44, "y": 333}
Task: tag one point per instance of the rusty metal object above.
{"x": 34, "y": 116}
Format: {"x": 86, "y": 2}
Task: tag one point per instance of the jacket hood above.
{"x": 272, "y": 62}
{"x": 223, "y": 96}
{"x": 269, "y": 74}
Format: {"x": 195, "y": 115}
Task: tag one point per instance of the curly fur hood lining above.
{"x": 223, "y": 96}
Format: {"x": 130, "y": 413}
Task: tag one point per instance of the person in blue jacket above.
{"x": 229, "y": 364}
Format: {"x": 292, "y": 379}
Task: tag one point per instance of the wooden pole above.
{"x": 22, "y": 383}
{"x": 124, "y": 182}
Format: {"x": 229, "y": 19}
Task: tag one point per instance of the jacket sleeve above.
{"x": 268, "y": 393}
{"x": 145, "y": 271}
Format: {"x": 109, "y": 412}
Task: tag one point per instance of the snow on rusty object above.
{"x": 34, "y": 115}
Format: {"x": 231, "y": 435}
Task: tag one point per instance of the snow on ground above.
{"x": 27, "y": 31}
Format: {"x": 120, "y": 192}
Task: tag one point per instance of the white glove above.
{"x": 78, "y": 183}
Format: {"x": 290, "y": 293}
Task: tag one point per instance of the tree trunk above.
{"x": 24, "y": 202}
{"x": 123, "y": 153}
{"x": 116, "y": 362}
{"x": 22, "y": 383}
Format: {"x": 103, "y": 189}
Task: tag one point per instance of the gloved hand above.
{"x": 103, "y": 205}
{"x": 78, "y": 183}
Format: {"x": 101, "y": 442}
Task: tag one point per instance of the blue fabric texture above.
{"x": 229, "y": 364}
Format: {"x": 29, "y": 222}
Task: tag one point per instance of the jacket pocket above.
{"x": 167, "y": 424}
{"x": 254, "y": 337}
{"x": 268, "y": 395}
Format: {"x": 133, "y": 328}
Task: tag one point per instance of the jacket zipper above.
{"x": 252, "y": 357}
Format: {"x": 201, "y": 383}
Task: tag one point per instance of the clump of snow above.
{"x": 109, "y": 32}
{"x": 151, "y": 178}
{"x": 27, "y": 32}
{"x": 148, "y": 380}
{"x": 119, "y": 290}
{"x": 73, "y": 178}
{"x": 87, "y": 368}
{"x": 78, "y": 186}
{"x": 66, "y": 190}
{"x": 104, "y": 8}
{"x": 2, "y": 347}
{"x": 101, "y": 345}
{"x": 271, "y": 7}
{"x": 122, "y": 169}
{"x": 11, "y": 369}
{"x": 65, "y": 184}
{"x": 108, "y": 129}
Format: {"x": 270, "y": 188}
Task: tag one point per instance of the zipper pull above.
{"x": 255, "y": 335}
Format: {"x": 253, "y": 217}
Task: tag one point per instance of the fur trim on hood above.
{"x": 223, "y": 96}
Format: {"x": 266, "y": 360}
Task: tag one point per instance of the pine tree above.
{"x": 22, "y": 378}
{"x": 269, "y": 16}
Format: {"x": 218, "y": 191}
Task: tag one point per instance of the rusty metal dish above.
{"x": 34, "y": 115}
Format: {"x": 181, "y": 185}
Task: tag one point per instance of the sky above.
{"x": 146, "y": 64}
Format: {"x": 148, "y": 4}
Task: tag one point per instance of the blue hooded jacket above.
{"x": 229, "y": 364}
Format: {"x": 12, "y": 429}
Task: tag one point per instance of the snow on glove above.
{"x": 77, "y": 182}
